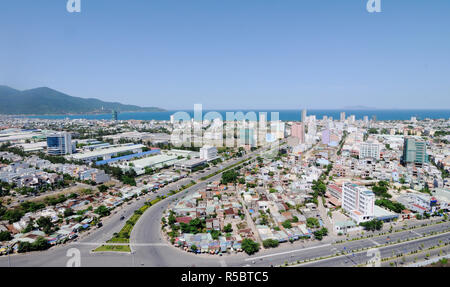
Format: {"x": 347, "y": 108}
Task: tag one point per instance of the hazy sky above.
{"x": 248, "y": 54}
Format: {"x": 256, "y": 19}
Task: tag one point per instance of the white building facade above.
{"x": 358, "y": 201}
{"x": 369, "y": 150}
{"x": 208, "y": 152}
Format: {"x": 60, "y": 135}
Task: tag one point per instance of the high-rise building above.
{"x": 277, "y": 129}
{"x": 298, "y": 131}
{"x": 342, "y": 116}
{"x": 114, "y": 115}
{"x": 303, "y": 115}
{"x": 358, "y": 201}
{"x": 312, "y": 129}
{"x": 247, "y": 137}
{"x": 414, "y": 151}
{"x": 60, "y": 144}
{"x": 366, "y": 119}
{"x": 326, "y": 136}
{"x": 369, "y": 150}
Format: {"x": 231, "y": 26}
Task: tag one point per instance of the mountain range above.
{"x": 46, "y": 101}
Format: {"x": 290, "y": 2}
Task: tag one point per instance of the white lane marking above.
{"x": 287, "y": 252}
{"x": 374, "y": 242}
{"x": 416, "y": 233}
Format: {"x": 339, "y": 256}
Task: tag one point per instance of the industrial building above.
{"x": 190, "y": 164}
{"x": 107, "y": 153}
{"x": 153, "y": 162}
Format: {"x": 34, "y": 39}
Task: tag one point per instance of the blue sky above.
{"x": 226, "y": 54}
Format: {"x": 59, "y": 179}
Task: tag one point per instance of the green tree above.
{"x": 287, "y": 224}
{"x": 215, "y": 234}
{"x": 372, "y": 225}
{"x": 229, "y": 176}
{"x": 312, "y": 222}
{"x": 24, "y": 246}
{"x": 68, "y": 212}
{"x": 5, "y": 236}
{"x": 103, "y": 188}
{"x": 40, "y": 244}
{"x": 228, "y": 228}
{"x": 249, "y": 246}
{"x": 46, "y": 224}
{"x": 102, "y": 211}
{"x": 319, "y": 234}
{"x": 270, "y": 243}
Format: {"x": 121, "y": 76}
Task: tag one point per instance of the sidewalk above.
{"x": 427, "y": 262}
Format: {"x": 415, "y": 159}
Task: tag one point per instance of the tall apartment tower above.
{"x": 298, "y": 131}
{"x": 59, "y": 144}
{"x": 303, "y": 116}
{"x": 114, "y": 115}
{"x": 326, "y": 136}
{"x": 342, "y": 116}
{"x": 414, "y": 151}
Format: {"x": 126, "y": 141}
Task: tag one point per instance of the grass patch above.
{"x": 116, "y": 248}
{"x": 123, "y": 236}
{"x": 118, "y": 240}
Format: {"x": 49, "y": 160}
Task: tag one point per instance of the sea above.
{"x": 284, "y": 115}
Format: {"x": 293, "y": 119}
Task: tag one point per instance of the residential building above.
{"x": 358, "y": 201}
{"x": 369, "y": 150}
{"x": 298, "y": 131}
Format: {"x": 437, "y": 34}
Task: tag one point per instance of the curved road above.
{"x": 150, "y": 249}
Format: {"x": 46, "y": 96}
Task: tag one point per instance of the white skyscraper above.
{"x": 304, "y": 116}
{"x": 342, "y": 116}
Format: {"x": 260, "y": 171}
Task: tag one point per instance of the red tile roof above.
{"x": 185, "y": 219}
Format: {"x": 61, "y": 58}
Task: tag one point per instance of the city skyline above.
{"x": 252, "y": 55}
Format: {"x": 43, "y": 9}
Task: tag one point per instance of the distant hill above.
{"x": 47, "y": 101}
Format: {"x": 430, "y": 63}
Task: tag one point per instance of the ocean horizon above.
{"x": 284, "y": 115}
